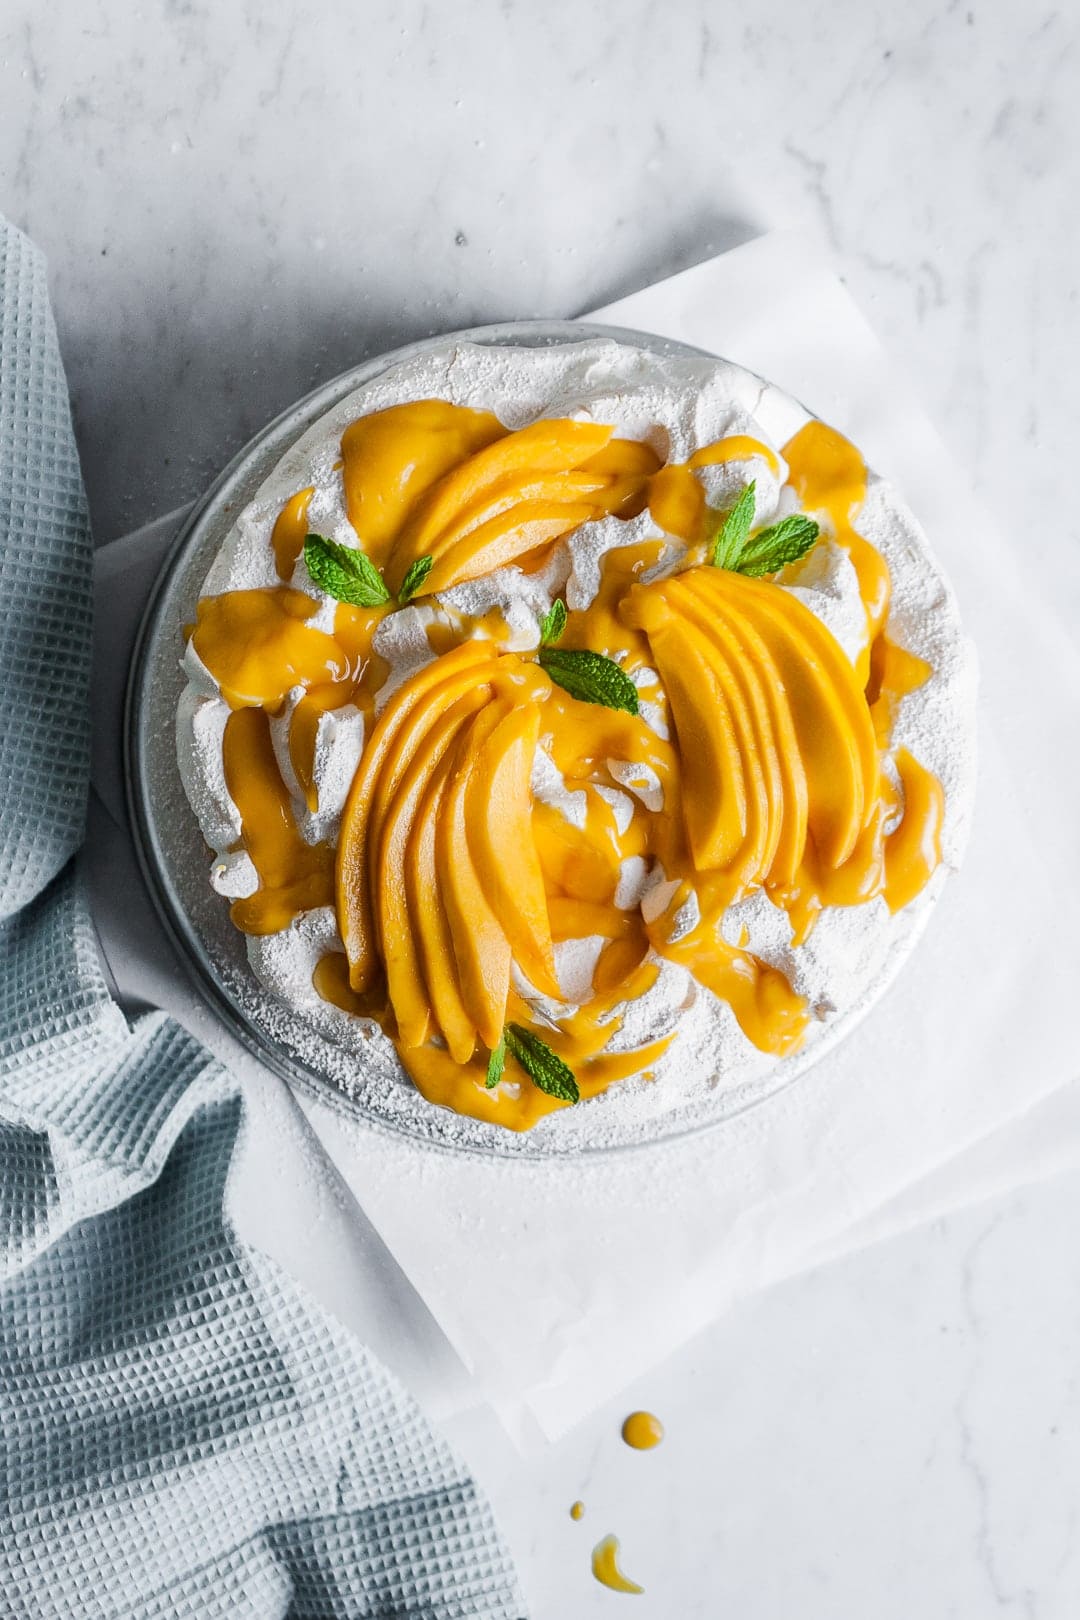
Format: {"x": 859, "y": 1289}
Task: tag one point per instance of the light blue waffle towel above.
{"x": 182, "y": 1431}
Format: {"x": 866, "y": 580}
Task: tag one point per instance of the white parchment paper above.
{"x": 556, "y": 1283}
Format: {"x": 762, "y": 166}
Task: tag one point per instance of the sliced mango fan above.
{"x": 448, "y": 876}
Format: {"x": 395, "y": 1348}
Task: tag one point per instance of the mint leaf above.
{"x": 344, "y": 573}
{"x": 414, "y": 578}
{"x": 590, "y": 677}
{"x": 765, "y": 552}
{"x": 553, "y": 623}
{"x": 732, "y": 534}
{"x": 544, "y": 1068}
{"x": 785, "y": 542}
{"x": 495, "y": 1065}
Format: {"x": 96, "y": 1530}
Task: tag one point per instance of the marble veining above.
{"x": 894, "y": 1435}
{"x": 237, "y": 205}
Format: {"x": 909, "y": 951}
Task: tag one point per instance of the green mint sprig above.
{"x": 344, "y": 573}
{"x": 773, "y": 548}
{"x": 543, "y": 1066}
{"x": 553, "y": 623}
{"x": 495, "y": 1064}
{"x": 589, "y": 677}
{"x": 735, "y": 529}
{"x": 769, "y": 550}
{"x": 414, "y": 578}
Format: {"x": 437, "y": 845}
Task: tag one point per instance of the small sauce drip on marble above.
{"x": 606, "y": 1569}
{"x": 642, "y": 1431}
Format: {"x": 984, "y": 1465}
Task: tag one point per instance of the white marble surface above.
{"x": 897, "y": 1436}
{"x": 238, "y": 202}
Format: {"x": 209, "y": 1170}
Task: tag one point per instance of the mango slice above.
{"x": 714, "y": 787}
{"x": 520, "y": 513}
{"x": 438, "y": 879}
{"x": 760, "y": 785}
{"x": 547, "y": 447}
{"x": 481, "y": 948}
{"x": 776, "y": 741}
{"x": 739, "y": 677}
{"x": 504, "y": 539}
{"x": 624, "y": 461}
{"x": 429, "y": 922}
{"x": 544, "y": 489}
{"x": 749, "y": 650}
{"x": 832, "y": 721}
{"x": 405, "y": 981}
{"x": 390, "y": 458}
{"x": 626, "y": 466}
{"x": 498, "y": 810}
{"x": 444, "y": 680}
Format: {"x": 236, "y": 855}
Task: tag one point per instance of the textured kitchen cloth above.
{"x": 182, "y": 1431}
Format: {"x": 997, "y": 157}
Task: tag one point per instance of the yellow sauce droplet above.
{"x": 606, "y": 1569}
{"x": 577, "y": 1511}
{"x": 642, "y": 1431}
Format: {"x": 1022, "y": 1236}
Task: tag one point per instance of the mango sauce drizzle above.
{"x": 451, "y": 882}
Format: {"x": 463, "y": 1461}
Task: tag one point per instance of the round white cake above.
{"x": 678, "y": 408}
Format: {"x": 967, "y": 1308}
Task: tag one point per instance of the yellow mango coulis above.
{"x": 642, "y": 1431}
{"x": 677, "y": 498}
{"x": 447, "y": 873}
{"x": 577, "y": 1510}
{"x": 289, "y": 533}
{"x": 829, "y": 476}
{"x": 293, "y": 876}
{"x": 605, "y": 1567}
{"x": 258, "y": 645}
{"x": 913, "y": 850}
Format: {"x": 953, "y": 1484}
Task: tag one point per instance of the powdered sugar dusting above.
{"x": 676, "y": 405}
